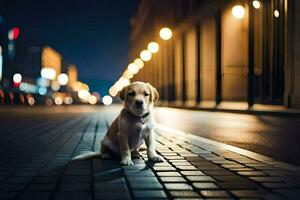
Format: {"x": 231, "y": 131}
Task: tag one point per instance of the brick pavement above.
{"x": 36, "y": 153}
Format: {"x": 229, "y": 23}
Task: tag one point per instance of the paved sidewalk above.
{"x": 36, "y": 153}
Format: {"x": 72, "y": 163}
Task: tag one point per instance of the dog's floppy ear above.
{"x": 154, "y": 93}
{"x": 122, "y": 93}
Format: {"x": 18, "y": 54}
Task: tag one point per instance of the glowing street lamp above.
{"x": 17, "y": 78}
{"x": 48, "y": 73}
{"x": 238, "y": 11}
{"x": 165, "y": 33}
{"x": 153, "y": 47}
{"x": 132, "y": 68}
{"x": 58, "y": 101}
{"x": 113, "y": 91}
{"x": 124, "y": 81}
{"x": 145, "y": 55}
{"x": 92, "y": 99}
{"x": 127, "y": 74}
{"x": 83, "y": 94}
{"x": 276, "y": 13}
{"x": 256, "y": 4}
{"x": 63, "y": 79}
{"x": 107, "y": 100}
{"x": 139, "y": 62}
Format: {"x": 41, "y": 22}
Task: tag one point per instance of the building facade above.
{"x": 221, "y": 51}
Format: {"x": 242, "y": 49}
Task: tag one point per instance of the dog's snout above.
{"x": 139, "y": 102}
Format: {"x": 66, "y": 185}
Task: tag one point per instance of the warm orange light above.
{"x": 276, "y": 13}
{"x": 113, "y": 91}
{"x": 165, "y": 33}
{"x": 83, "y": 94}
{"x": 58, "y": 101}
{"x": 31, "y": 101}
{"x": 139, "y": 62}
{"x": 63, "y": 79}
{"x": 256, "y": 4}
{"x": 238, "y": 11}
{"x": 92, "y": 99}
{"x": 153, "y": 47}
{"x": 68, "y": 100}
{"x": 55, "y": 86}
{"x": 145, "y": 55}
{"x": 127, "y": 74}
{"x": 132, "y": 68}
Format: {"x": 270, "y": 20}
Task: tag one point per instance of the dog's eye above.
{"x": 132, "y": 94}
{"x": 146, "y": 94}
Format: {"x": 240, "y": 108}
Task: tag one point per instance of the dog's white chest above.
{"x": 141, "y": 130}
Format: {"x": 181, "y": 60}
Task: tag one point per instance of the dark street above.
{"x": 37, "y": 145}
{"x": 211, "y": 92}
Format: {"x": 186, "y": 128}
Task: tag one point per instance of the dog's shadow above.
{"x": 109, "y": 171}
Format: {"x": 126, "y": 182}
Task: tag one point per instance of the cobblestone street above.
{"x": 37, "y": 147}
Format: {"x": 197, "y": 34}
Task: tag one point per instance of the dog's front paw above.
{"x": 126, "y": 162}
{"x": 156, "y": 159}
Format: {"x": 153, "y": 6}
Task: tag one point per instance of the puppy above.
{"x": 134, "y": 125}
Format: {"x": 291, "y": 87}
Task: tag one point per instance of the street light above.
{"x": 132, "y": 68}
{"x": 139, "y": 62}
{"x": 17, "y": 78}
{"x": 276, "y": 13}
{"x": 153, "y": 47}
{"x": 63, "y": 79}
{"x": 127, "y": 74}
{"x": 48, "y": 73}
{"x": 145, "y": 55}
{"x": 238, "y": 11}
{"x": 83, "y": 94}
{"x": 113, "y": 91}
{"x": 92, "y": 99}
{"x": 256, "y": 4}
{"x": 58, "y": 101}
{"x": 107, "y": 100}
{"x": 165, "y": 33}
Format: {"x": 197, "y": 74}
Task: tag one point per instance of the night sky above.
{"x": 92, "y": 34}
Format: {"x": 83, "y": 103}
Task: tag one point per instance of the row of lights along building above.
{"x": 240, "y": 52}
{"x": 39, "y": 75}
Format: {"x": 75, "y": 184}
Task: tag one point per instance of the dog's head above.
{"x": 139, "y": 97}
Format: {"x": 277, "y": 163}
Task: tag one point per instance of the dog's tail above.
{"x": 86, "y": 156}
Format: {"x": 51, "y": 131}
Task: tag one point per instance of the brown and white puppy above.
{"x": 134, "y": 125}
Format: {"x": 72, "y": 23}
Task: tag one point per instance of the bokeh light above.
{"x": 238, "y": 11}
{"x": 276, "y": 13}
{"x": 145, "y": 55}
{"x": 68, "y": 100}
{"x": 58, "y": 101}
{"x": 165, "y": 33}
{"x": 133, "y": 68}
{"x": 139, "y": 62}
{"x": 42, "y": 90}
{"x": 55, "y": 86}
{"x": 83, "y": 94}
{"x": 48, "y": 73}
{"x": 17, "y": 78}
{"x": 256, "y": 4}
{"x": 31, "y": 101}
{"x": 153, "y": 47}
{"x": 92, "y": 99}
{"x": 63, "y": 79}
{"x": 107, "y": 100}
